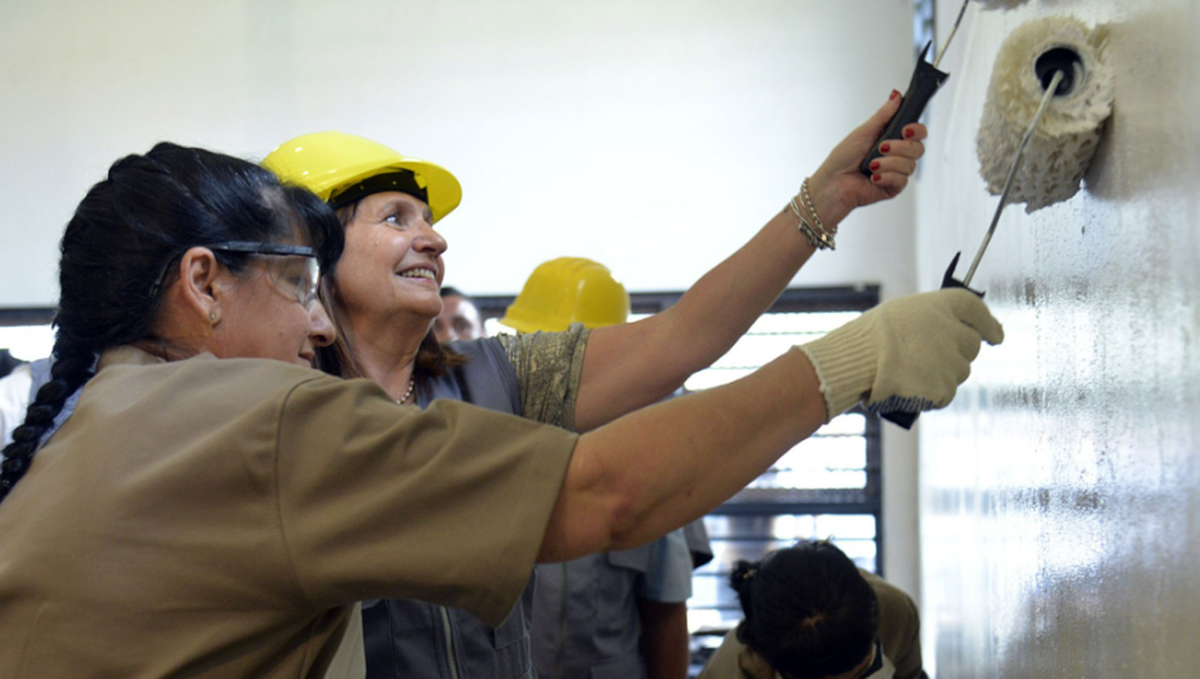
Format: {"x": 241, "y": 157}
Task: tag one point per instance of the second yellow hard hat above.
{"x": 568, "y": 290}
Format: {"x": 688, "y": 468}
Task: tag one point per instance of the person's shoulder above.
{"x": 894, "y": 604}
{"x": 733, "y": 660}
{"x": 899, "y": 621}
{"x": 482, "y": 347}
{"x": 131, "y": 370}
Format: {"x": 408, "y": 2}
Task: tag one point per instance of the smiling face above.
{"x": 392, "y": 264}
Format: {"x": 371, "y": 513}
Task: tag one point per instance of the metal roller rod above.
{"x": 942, "y": 52}
{"x": 1012, "y": 173}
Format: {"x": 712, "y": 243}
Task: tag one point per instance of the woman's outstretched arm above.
{"x": 660, "y": 467}
{"x": 632, "y": 365}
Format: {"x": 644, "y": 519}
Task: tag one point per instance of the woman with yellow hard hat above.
{"x": 383, "y": 298}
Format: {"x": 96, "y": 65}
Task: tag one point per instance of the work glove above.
{"x": 908, "y": 354}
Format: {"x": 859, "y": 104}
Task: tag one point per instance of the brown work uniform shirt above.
{"x": 219, "y": 518}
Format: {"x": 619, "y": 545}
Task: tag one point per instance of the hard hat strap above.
{"x": 403, "y": 181}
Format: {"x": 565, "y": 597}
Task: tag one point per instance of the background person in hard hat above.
{"x": 459, "y": 320}
{"x": 810, "y": 613}
{"x": 384, "y": 298}
{"x": 622, "y": 612}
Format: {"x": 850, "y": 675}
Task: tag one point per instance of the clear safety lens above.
{"x": 296, "y": 275}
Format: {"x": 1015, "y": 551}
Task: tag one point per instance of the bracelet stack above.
{"x": 810, "y": 223}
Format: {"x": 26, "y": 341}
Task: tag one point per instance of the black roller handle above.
{"x": 924, "y": 84}
{"x": 904, "y": 418}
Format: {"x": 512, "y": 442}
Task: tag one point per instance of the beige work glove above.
{"x": 907, "y": 354}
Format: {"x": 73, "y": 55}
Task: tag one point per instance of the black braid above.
{"x": 121, "y": 241}
{"x": 70, "y": 371}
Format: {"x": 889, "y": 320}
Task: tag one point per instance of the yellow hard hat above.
{"x": 568, "y": 290}
{"x": 341, "y": 168}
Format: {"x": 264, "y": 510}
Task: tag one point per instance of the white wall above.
{"x": 654, "y": 136}
{"x": 1059, "y": 493}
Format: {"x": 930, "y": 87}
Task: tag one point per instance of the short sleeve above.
{"x": 899, "y": 627}
{"x": 447, "y": 505}
{"x": 669, "y": 578}
{"x": 548, "y": 366}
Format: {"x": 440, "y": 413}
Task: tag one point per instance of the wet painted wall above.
{"x": 1060, "y": 493}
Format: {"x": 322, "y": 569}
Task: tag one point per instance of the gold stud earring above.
{"x": 212, "y": 318}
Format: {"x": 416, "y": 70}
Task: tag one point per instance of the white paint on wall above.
{"x": 1059, "y": 493}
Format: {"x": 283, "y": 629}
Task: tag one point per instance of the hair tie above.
{"x": 747, "y": 574}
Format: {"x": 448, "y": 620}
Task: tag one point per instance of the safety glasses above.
{"x": 293, "y": 269}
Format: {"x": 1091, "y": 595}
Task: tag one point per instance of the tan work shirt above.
{"x": 219, "y": 518}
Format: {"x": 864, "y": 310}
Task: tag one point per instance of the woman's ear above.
{"x": 200, "y": 276}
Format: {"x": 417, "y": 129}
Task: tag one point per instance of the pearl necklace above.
{"x": 411, "y": 383}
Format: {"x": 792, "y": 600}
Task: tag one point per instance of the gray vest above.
{"x": 406, "y": 639}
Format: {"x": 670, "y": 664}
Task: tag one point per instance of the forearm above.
{"x": 664, "y": 641}
{"x": 720, "y": 307}
{"x": 661, "y": 467}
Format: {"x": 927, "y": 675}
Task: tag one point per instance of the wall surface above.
{"x": 1060, "y": 493}
{"x": 653, "y": 135}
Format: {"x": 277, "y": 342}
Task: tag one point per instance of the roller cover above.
{"x": 1065, "y": 141}
{"x": 999, "y": 4}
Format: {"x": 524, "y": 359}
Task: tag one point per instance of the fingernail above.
{"x": 895, "y": 93}
{"x": 885, "y": 147}
{"x": 908, "y": 133}
{"x": 874, "y": 164}
{"x": 875, "y": 177}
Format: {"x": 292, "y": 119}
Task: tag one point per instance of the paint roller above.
{"x": 1046, "y": 105}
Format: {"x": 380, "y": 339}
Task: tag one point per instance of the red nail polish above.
{"x": 874, "y": 164}
{"x": 908, "y": 133}
{"x": 895, "y": 93}
{"x": 875, "y": 177}
{"x": 885, "y": 147}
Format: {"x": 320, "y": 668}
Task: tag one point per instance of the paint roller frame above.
{"x": 1060, "y": 71}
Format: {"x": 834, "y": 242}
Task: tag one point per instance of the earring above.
{"x": 212, "y": 318}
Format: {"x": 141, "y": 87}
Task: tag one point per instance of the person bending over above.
{"x": 811, "y": 614}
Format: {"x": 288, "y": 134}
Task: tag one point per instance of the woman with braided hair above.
{"x": 204, "y": 512}
{"x": 155, "y": 201}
